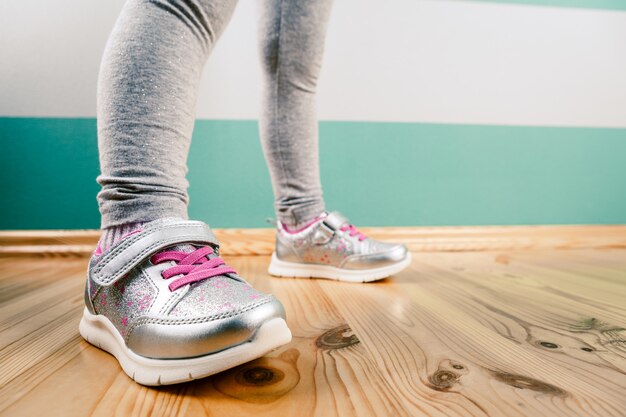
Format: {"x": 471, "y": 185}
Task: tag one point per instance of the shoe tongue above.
{"x": 188, "y": 248}
{"x": 183, "y": 247}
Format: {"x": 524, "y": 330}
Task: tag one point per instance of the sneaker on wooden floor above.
{"x": 330, "y": 247}
{"x": 170, "y": 310}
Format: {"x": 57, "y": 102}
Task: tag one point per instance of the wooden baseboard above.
{"x": 418, "y": 239}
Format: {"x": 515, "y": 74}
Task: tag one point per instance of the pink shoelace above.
{"x": 353, "y": 231}
{"x": 194, "y": 266}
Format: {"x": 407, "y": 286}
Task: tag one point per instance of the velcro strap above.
{"x": 335, "y": 220}
{"x": 135, "y": 248}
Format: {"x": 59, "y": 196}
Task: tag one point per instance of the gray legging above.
{"x": 147, "y": 93}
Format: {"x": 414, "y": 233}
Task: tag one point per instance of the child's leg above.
{"x": 146, "y": 103}
{"x": 292, "y": 34}
{"x": 162, "y": 300}
{"x": 309, "y": 241}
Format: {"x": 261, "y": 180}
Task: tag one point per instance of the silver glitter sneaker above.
{"x": 170, "y": 310}
{"x": 330, "y": 247}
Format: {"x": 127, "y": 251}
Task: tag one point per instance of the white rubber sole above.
{"x": 301, "y": 270}
{"x": 100, "y": 332}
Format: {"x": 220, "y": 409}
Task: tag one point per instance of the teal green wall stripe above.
{"x": 395, "y": 174}
{"x": 582, "y": 4}
{"x": 47, "y": 171}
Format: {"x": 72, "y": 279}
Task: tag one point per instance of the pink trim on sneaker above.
{"x": 309, "y": 224}
{"x": 110, "y": 236}
{"x": 134, "y": 232}
{"x": 108, "y": 239}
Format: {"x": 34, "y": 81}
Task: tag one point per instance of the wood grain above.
{"x": 537, "y": 332}
{"x": 77, "y": 243}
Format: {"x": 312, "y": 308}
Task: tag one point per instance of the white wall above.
{"x": 412, "y": 60}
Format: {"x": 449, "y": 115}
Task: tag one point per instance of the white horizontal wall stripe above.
{"x": 412, "y": 60}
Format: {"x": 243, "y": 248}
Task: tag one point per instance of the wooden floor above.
{"x": 505, "y": 333}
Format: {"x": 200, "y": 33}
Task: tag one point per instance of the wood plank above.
{"x": 76, "y": 243}
{"x": 492, "y": 333}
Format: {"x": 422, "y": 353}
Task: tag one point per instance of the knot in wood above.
{"x": 260, "y": 376}
{"x": 443, "y": 379}
{"x": 524, "y": 382}
{"x": 338, "y": 338}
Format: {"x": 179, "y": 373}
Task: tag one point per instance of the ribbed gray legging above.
{"x": 147, "y": 91}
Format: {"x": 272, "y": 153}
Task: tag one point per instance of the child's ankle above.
{"x": 111, "y": 235}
